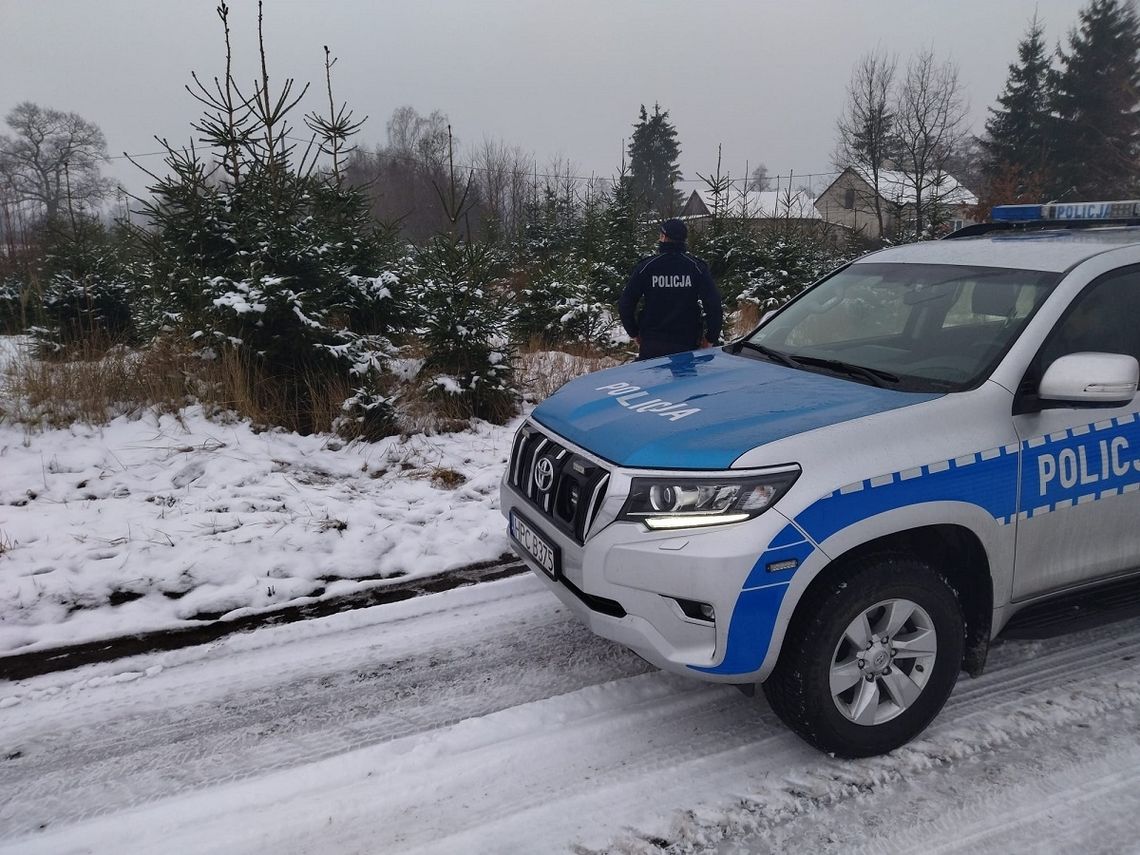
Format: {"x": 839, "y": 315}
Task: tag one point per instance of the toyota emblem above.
{"x": 544, "y": 474}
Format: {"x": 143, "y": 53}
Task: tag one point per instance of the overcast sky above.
{"x": 765, "y": 79}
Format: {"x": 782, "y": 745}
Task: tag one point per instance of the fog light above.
{"x": 697, "y": 611}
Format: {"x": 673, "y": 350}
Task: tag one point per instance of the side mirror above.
{"x": 1091, "y": 378}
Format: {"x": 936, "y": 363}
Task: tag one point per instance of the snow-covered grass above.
{"x": 12, "y": 348}
{"x": 159, "y": 519}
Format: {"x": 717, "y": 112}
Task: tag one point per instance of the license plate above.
{"x": 544, "y": 553}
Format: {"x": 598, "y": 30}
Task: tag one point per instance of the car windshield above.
{"x": 915, "y": 327}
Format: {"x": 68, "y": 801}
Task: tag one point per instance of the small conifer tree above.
{"x": 466, "y": 311}
{"x": 256, "y": 249}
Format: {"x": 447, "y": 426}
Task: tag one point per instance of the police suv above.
{"x": 849, "y": 503}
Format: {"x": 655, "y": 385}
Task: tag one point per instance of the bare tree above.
{"x": 867, "y": 125}
{"x": 758, "y": 179}
{"x": 560, "y": 179}
{"x": 18, "y": 232}
{"x": 421, "y": 138}
{"x": 401, "y": 176}
{"x": 930, "y": 128}
{"x": 53, "y": 157}
{"x": 502, "y": 184}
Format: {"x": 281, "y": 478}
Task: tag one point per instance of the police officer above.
{"x": 670, "y": 283}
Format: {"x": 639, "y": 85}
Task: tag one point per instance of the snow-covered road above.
{"x": 488, "y": 720}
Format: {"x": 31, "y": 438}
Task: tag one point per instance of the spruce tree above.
{"x": 625, "y": 232}
{"x": 465, "y": 329}
{"x": 550, "y": 241}
{"x": 1019, "y": 130}
{"x": 1095, "y": 99}
{"x": 257, "y": 252}
{"x": 653, "y": 153}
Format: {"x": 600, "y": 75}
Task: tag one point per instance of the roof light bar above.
{"x": 1066, "y": 212}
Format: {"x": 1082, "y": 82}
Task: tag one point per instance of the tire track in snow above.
{"x": 1024, "y": 710}
{"x": 1005, "y": 797}
{"x": 71, "y": 768}
{"x": 423, "y": 761}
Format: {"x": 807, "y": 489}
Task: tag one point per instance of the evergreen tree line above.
{"x": 253, "y": 247}
{"x": 1066, "y": 127}
{"x": 258, "y": 247}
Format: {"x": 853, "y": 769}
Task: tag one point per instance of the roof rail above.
{"x": 976, "y": 229}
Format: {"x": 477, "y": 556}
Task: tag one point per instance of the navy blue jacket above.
{"x": 671, "y": 282}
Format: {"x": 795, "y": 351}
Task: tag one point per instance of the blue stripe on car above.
{"x": 987, "y": 479}
{"x": 1106, "y": 463}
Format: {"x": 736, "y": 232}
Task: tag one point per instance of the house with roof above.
{"x": 762, "y": 208}
{"x": 849, "y": 201}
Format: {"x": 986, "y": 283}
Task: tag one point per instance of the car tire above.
{"x": 870, "y": 657}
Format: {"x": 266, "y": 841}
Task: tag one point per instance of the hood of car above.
{"x": 702, "y": 410}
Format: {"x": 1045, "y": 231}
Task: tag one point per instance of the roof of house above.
{"x": 761, "y": 204}
{"x": 898, "y": 187}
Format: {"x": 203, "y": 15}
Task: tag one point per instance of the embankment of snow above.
{"x": 164, "y": 520}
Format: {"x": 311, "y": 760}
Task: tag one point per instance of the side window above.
{"x": 1102, "y": 319}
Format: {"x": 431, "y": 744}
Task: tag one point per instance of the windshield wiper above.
{"x": 874, "y": 376}
{"x": 774, "y": 355}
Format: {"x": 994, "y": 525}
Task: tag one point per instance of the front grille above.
{"x": 566, "y": 488}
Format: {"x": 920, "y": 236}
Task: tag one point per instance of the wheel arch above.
{"x": 955, "y": 552}
{"x": 807, "y": 688}
{"x": 972, "y": 548}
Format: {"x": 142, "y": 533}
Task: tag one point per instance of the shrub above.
{"x": 785, "y": 264}
{"x": 88, "y": 289}
{"x": 461, "y": 290}
{"x": 259, "y": 252}
{"x": 13, "y": 317}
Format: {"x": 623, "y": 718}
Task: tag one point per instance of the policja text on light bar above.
{"x": 1067, "y": 212}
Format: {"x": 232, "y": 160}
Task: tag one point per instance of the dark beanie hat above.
{"x": 675, "y": 229}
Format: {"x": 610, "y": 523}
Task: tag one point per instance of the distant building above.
{"x": 849, "y": 201}
{"x": 762, "y": 208}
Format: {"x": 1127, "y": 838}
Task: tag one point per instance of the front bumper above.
{"x": 644, "y": 589}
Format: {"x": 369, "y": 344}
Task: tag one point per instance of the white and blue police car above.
{"x": 850, "y": 502}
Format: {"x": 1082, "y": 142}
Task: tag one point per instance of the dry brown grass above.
{"x": 97, "y": 383}
{"x": 540, "y": 373}
{"x": 447, "y": 479}
{"x": 315, "y": 405}
{"x": 744, "y": 319}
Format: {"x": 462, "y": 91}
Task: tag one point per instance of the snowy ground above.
{"x": 157, "y": 522}
{"x": 481, "y": 720}
{"x": 486, "y": 720}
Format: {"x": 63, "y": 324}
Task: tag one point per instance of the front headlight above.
{"x": 665, "y": 503}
